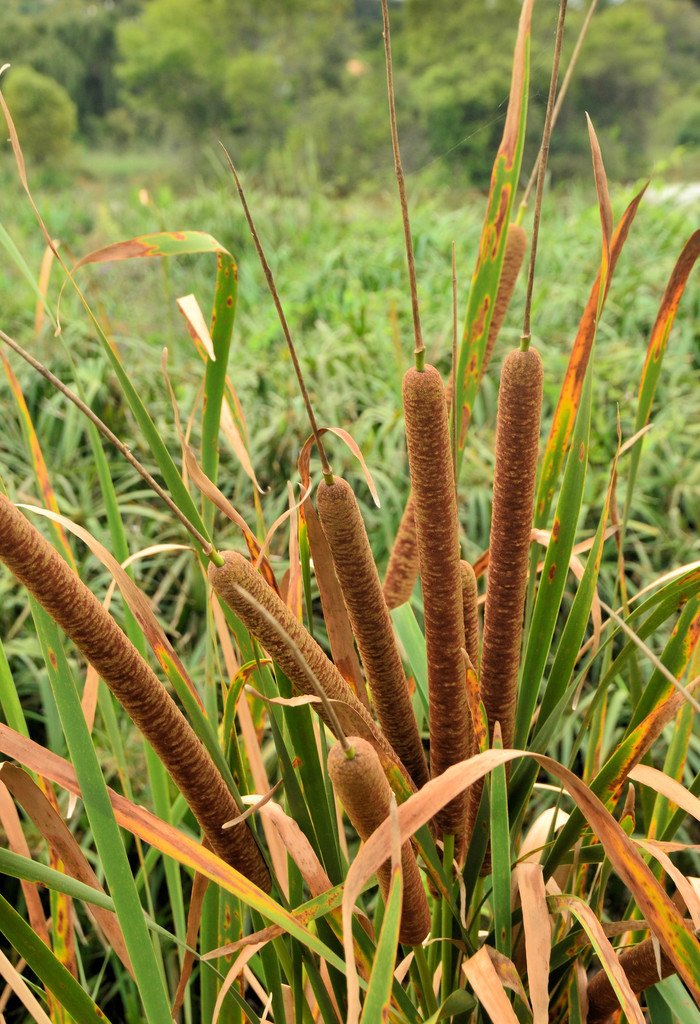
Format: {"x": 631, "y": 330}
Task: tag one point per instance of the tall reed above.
{"x": 97, "y": 636}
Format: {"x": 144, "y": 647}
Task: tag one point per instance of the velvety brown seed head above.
{"x": 237, "y": 572}
{"x": 516, "y": 245}
{"x": 361, "y": 786}
{"x": 435, "y": 512}
{"x": 470, "y": 612}
{"x": 347, "y": 538}
{"x": 517, "y": 445}
{"x": 402, "y": 570}
{"x": 137, "y": 688}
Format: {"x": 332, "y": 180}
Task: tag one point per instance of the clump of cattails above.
{"x": 77, "y": 611}
{"x": 361, "y": 786}
{"x": 435, "y": 513}
{"x": 357, "y": 573}
{"x": 517, "y": 444}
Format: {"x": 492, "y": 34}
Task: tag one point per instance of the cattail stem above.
{"x": 238, "y": 574}
{"x": 517, "y": 444}
{"x": 369, "y": 616}
{"x": 432, "y": 481}
{"x": 640, "y": 966}
{"x": 96, "y": 635}
{"x": 361, "y": 786}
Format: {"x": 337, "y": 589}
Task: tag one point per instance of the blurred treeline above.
{"x": 296, "y": 88}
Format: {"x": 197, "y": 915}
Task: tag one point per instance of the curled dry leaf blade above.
{"x": 538, "y": 936}
{"x": 169, "y": 840}
{"x": 488, "y": 988}
{"x": 665, "y": 921}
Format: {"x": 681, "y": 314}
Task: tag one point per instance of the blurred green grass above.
{"x": 339, "y": 265}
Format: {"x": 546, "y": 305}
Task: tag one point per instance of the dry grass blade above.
{"x": 22, "y": 991}
{"x": 488, "y": 987}
{"x": 538, "y": 936}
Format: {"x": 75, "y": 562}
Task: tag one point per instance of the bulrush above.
{"x": 234, "y": 582}
{"x": 435, "y": 505}
{"x": 137, "y": 688}
{"x": 470, "y": 612}
{"x": 347, "y": 538}
{"x": 402, "y": 570}
{"x": 517, "y": 444}
{"x": 361, "y": 786}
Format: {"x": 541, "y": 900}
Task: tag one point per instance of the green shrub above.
{"x": 45, "y": 115}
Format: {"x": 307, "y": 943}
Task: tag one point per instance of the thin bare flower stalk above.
{"x": 354, "y": 565}
{"x": 361, "y": 786}
{"x": 96, "y": 635}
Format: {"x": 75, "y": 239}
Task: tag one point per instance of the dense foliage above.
{"x": 296, "y": 88}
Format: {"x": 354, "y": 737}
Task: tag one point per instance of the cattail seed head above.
{"x": 470, "y": 612}
{"x": 354, "y": 565}
{"x": 517, "y": 446}
{"x": 435, "y": 512}
{"x": 132, "y": 681}
{"x": 236, "y": 575}
{"x": 516, "y": 246}
{"x": 361, "y": 786}
{"x": 402, "y": 570}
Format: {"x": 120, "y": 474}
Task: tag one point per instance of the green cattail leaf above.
{"x": 671, "y": 994}
{"x": 378, "y": 999}
{"x": 500, "y": 855}
{"x": 108, "y": 840}
{"x": 556, "y": 567}
{"x": 413, "y": 643}
{"x": 59, "y": 981}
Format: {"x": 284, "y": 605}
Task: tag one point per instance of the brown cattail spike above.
{"x": 402, "y": 570}
{"x": 435, "y": 511}
{"x": 354, "y": 565}
{"x": 238, "y": 574}
{"x": 516, "y": 245}
{"x": 517, "y": 444}
{"x": 470, "y": 612}
{"x": 362, "y": 788}
{"x": 96, "y": 635}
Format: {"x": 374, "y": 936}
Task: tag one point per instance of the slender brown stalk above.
{"x": 437, "y": 532}
{"x": 561, "y": 96}
{"x": 470, "y": 612}
{"x": 542, "y": 168}
{"x": 269, "y": 277}
{"x": 640, "y": 966}
{"x": 96, "y": 635}
{"x": 357, "y": 574}
{"x": 402, "y": 570}
{"x": 362, "y": 788}
{"x": 517, "y": 444}
{"x": 236, "y": 575}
